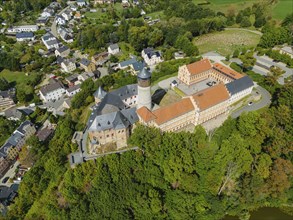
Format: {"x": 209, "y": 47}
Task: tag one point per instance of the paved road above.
{"x": 269, "y": 62}
{"x": 243, "y": 29}
{"x": 213, "y": 56}
{"x": 265, "y": 101}
{"x": 54, "y": 25}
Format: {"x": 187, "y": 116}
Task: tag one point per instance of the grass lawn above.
{"x": 157, "y": 14}
{"x": 282, "y": 9}
{"x": 225, "y": 42}
{"x": 169, "y": 98}
{"x": 225, "y": 5}
{"x": 17, "y": 77}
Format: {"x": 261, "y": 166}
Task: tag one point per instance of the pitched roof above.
{"x": 44, "y": 134}
{"x": 211, "y": 96}
{"x": 145, "y": 114}
{"x": 239, "y": 85}
{"x": 62, "y": 49}
{"x": 85, "y": 62}
{"x": 227, "y": 71}
{"x": 144, "y": 73}
{"x": 199, "y": 66}
{"x": 138, "y": 66}
{"x": 22, "y": 127}
{"x": 25, "y": 35}
{"x": 114, "y": 46}
{"x": 128, "y": 62}
{"x": 51, "y": 87}
{"x": 172, "y": 111}
{"x": 100, "y": 93}
{"x": 125, "y": 91}
{"x": 73, "y": 88}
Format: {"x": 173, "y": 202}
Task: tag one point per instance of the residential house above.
{"x": 104, "y": 1}
{"x": 62, "y": 51}
{"x": 60, "y": 20}
{"x": 42, "y": 21}
{"x": 23, "y": 28}
{"x": 4, "y": 165}
{"x": 87, "y": 65}
{"x": 77, "y": 15}
{"x": 67, "y": 14}
{"x": 72, "y": 79}
{"x": 52, "y": 91}
{"x": 71, "y": 91}
{"x": 287, "y": 50}
{"x": 66, "y": 34}
{"x": 50, "y": 41}
{"x": 25, "y": 36}
{"x": 6, "y": 99}
{"x": 57, "y": 107}
{"x": 48, "y": 12}
{"x": 16, "y": 114}
{"x": 136, "y": 67}
{"x": 81, "y": 3}
{"x": 151, "y": 57}
{"x": 101, "y": 58}
{"x": 84, "y": 76}
{"x": 179, "y": 55}
{"x": 17, "y": 140}
{"x": 127, "y": 63}
{"x": 113, "y": 49}
{"x": 45, "y": 134}
{"x": 68, "y": 65}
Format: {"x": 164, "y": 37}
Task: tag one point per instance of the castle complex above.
{"x": 115, "y": 114}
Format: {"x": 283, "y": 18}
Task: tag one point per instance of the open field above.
{"x": 225, "y": 42}
{"x": 225, "y": 5}
{"x": 279, "y": 11}
{"x": 282, "y": 9}
{"x": 17, "y": 77}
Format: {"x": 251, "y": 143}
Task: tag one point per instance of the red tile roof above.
{"x": 211, "y": 96}
{"x": 145, "y": 114}
{"x": 172, "y": 111}
{"x": 199, "y": 66}
{"x": 233, "y": 74}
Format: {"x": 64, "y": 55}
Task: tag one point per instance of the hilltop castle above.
{"x": 116, "y": 113}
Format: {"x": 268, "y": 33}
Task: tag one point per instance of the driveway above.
{"x": 265, "y": 101}
{"x": 214, "y": 56}
{"x": 269, "y": 62}
{"x": 243, "y": 29}
{"x": 10, "y": 173}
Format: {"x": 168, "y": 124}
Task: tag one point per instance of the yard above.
{"x": 282, "y": 9}
{"x": 225, "y": 42}
{"x": 17, "y": 77}
{"x": 169, "y": 98}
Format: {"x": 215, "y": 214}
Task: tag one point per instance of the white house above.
{"x": 60, "y": 20}
{"x": 25, "y": 36}
{"x": 67, "y": 15}
{"x": 81, "y": 3}
{"x": 113, "y": 49}
{"x": 51, "y": 92}
{"x": 239, "y": 88}
{"x": 48, "y": 12}
{"x": 71, "y": 91}
{"x": 23, "y": 28}
{"x": 50, "y": 41}
{"x": 68, "y": 65}
{"x": 151, "y": 57}
{"x": 62, "y": 51}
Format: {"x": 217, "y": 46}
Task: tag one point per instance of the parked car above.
{"x": 249, "y": 103}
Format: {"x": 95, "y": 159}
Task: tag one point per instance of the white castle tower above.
{"x": 144, "y": 89}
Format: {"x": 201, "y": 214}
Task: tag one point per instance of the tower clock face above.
{"x": 144, "y": 82}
